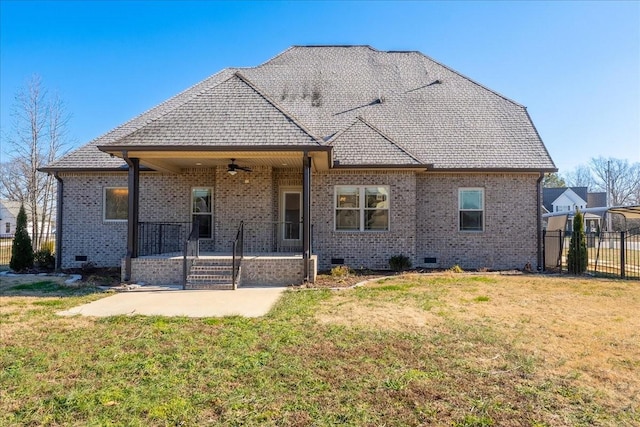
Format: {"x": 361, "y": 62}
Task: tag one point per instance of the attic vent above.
{"x": 435, "y": 82}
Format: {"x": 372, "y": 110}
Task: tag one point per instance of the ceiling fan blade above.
{"x": 232, "y": 167}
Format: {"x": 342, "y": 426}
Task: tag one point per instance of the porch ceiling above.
{"x": 176, "y": 161}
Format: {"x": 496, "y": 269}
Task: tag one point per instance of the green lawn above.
{"x": 454, "y": 350}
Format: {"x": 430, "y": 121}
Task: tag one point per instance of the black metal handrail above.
{"x": 238, "y": 254}
{"x": 191, "y": 251}
{"x": 162, "y": 237}
{"x": 266, "y": 236}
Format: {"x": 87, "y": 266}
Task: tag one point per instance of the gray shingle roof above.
{"x": 232, "y": 113}
{"x": 405, "y": 100}
{"x": 361, "y": 144}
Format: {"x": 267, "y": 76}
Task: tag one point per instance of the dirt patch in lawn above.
{"x": 380, "y": 315}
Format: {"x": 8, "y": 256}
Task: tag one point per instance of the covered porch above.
{"x": 246, "y": 219}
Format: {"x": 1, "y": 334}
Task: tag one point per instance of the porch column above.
{"x": 306, "y": 214}
{"x": 132, "y": 217}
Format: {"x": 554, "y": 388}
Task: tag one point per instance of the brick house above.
{"x": 327, "y": 155}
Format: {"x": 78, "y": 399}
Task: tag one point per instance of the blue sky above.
{"x": 574, "y": 65}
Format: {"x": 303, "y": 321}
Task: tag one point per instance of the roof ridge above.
{"x": 273, "y": 57}
{"x": 337, "y": 135}
{"x": 472, "y": 81}
{"x": 535, "y": 129}
{"x": 290, "y": 116}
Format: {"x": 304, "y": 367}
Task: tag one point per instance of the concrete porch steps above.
{"x": 210, "y": 274}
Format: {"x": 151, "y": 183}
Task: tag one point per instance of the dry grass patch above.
{"x": 381, "y": 315}
{"x": 585, "y": 331}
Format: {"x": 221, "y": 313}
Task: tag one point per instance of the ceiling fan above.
{"x": 233, "y": 168}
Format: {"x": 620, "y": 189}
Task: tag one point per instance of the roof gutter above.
{"x": 119, "y": 149}
{"x": 420, "y": 167}
{"x": 496, "y": 170}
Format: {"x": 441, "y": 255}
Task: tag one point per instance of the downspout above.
{"x": 133, "y": 183}
{"x": 539, "y": 219}
{"x": 60, "y": 197}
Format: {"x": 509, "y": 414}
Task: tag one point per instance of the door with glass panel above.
{"x": 202, "y": 211}
{"x": 290, "y": 226}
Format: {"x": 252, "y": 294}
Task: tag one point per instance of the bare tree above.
{"x": 581, "y": 176}
{"x": 619, "y": 178}
{"x": 37, "y": 138}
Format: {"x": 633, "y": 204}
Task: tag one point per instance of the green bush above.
{"x": 577, "y": 257}
{"x": 44, "y": 259}
{"x": 399, "y": 262}
{"x": 21, "y": 250}
{"x": 340, "y": 271}
{"x": 48, "y": 245}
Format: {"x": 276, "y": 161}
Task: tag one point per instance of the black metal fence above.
{"x": 6, "y": 247}
{"x": 6, "y": 244}
{"x": 609, "y": 253}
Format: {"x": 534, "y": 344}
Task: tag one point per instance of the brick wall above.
{"x": 244, "y": 197}
{"x": 371, "y": 249}
{"x": 262, "y": 271}
{"x": 84, "y": 233}
{"x": 422, "y": 226}
{"x": 509, "y": 238}
{"x": 163, "y": 197}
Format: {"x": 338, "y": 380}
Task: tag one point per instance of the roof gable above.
{"x": 232, "y": 113}
{"x": 362, "y": 144}
{"x": 569, "y": 198}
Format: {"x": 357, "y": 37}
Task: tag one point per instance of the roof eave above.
{"x": 420, "y": 167}
{"x": 118, "y": 149}
{"x": 85, "y": 169}
{"x": 496, "y": 170}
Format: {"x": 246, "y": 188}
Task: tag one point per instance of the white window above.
{"x": 362, "y": 208}
{"x": 471, "y": 209}
{"x": 116, "y": 204}
{"x": 202, "y": 212}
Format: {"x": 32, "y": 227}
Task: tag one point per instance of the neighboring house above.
{"x": 9, "y": 214}
{"x": 572, "y": 199}
{"x": 355, "y": 154}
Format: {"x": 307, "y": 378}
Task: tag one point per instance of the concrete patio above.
{"x": 167, "y": 301}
